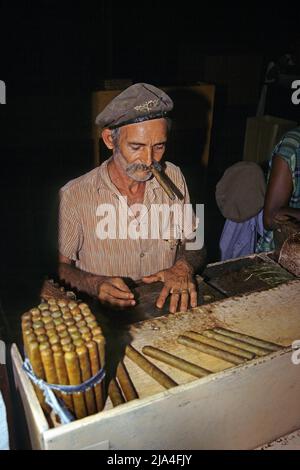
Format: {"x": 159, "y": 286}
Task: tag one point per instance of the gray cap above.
{"x": 240, "y": 193}
{"x": 139, "y": 102}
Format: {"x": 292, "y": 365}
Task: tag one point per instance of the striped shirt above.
{"x": 84, "y": 223}
{"x": 289, "y": 149}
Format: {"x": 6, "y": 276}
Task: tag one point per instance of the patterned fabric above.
{"x": 79, "y": 220}
{"x": 288, "y": 149}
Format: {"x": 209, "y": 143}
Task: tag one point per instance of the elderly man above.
{"x": 122, "y": 192}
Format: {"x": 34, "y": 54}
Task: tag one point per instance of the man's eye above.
{"x": 135, "y": 147}
{"x": 159, "y": 146}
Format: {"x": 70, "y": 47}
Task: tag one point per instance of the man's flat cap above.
{"x": 139, "y": 102}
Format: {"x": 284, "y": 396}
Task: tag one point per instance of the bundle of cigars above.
{"x": 65, "y": 346}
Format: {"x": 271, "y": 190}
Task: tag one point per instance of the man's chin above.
{"x": 141, "y": 176}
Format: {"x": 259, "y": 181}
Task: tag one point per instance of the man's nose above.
{"x": 148, "y": 156}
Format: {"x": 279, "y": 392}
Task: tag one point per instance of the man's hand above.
{"x": 114, "y": 291}
{"x": 179, "y": 283}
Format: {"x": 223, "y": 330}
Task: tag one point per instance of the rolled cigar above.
{"x": 95, "y": 367}
{"x": 54, "y": 308}
{"x": 54, "y": 339}
{"x": 40, "y": 331}
{"x": 43, "y": 306}
{"x": 125, "y": 382}
{"x": 52, "y": 301}
{"x": 26, "y": 324}
{"x": 78, "y": 342}
{"x": 75, "y": 335}
{"x": 72, "y": 304}
{"x": 68, "y": 348}
{"x": 115, "y": 393}
{"x": 34, "y": 311}
{"x": 84, "y": 329}
{"x": 48, "y": 363}
{"x": 159, "y": 176}
{"x": 27, "y": 336}
{"x": 86, "y": 312}
{"x": 57, "y": 321}
{"x": 75, "y": 310}
{"x": 100, "y": 341}
{"x": 235, "y": 342}
{"x": 219, "y": 344}
{"x": 86, "y": 373}
{"x": 175, "y": 361}
{"x": 72, "y": 329}
{"x": 69, "y": 322}
{"x": 63, "y": 334}
{"x": 42, "y": 338}
{"x": 67, "y": 316}
{"x": 86, "y": 337}
{"x": 83, "y": 306}
{"x": 37, "y": 324}
{"x": 65, "y": 340}
{"x": 26, "y": 316}
{"x": 149, "y": 368}
{"x": 249, "y": 339}
{"x": 74, "y": 376}
{"x": 62, "y": 375}
{"x": 90, "y": 318}
{"x": 33, "y": 352}
{"x": 226, "y": 356}
{"x": 65, "y": 310}
{"x": 61, "y": 328}
{"x": 49, "y": 326}
{"x": 62, "y": 303}
{"x": 81, "y": 324}
{"x": 46, "y": 313}
{"x": 97, "y": 331}
{"x": 47, "y": 320}
{"x": 77, "y": 317}
{"x": 51, "y": 332}
{"x": 56, "y": 314}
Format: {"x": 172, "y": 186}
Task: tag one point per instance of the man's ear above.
{"x": 107, "y": 138}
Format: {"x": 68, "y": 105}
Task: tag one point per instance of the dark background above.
{"x": 54, "y": 54}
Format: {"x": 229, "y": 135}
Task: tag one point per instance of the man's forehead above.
{"x": 145, "y": 129}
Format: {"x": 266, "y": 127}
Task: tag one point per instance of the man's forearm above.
{"x": 195, "y": 258}
{"x": 81, "y": 280}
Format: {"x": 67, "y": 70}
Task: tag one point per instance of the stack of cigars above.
{"x": 66, "y": 346}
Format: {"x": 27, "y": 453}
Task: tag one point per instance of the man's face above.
{"x": 139, "y": 145}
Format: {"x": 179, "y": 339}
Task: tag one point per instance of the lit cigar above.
{"x": 175, "y": 361}
{"x": 115, "y": 393}
{"x": 237, "y": 343}
{"x": 125, "y": 382}
{"x": 249, "y": 339}
{"x": 157, "y": 172}
{"x": 218, "y": 344}
{"x": 150, "y": 368}
{"x": 205, "y": 348}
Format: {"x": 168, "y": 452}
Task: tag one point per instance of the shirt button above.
{"x": 142, "y": 255}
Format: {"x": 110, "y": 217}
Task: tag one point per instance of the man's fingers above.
{"x": 184, "y": 303}
{"x": 117, "y": 293}
{"x": 193, "y": 296}
{"x": 150, "y": 279}
{"x": 174, "y": 302}
{"x": 107, "y": 298}
{"x": 120, "y": 284}
{"x": 162, "y": 297}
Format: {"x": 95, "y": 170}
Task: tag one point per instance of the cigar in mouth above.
{"x": 157, "y": 172}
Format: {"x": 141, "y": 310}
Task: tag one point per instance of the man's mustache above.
{"x": 137, "y": 167}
